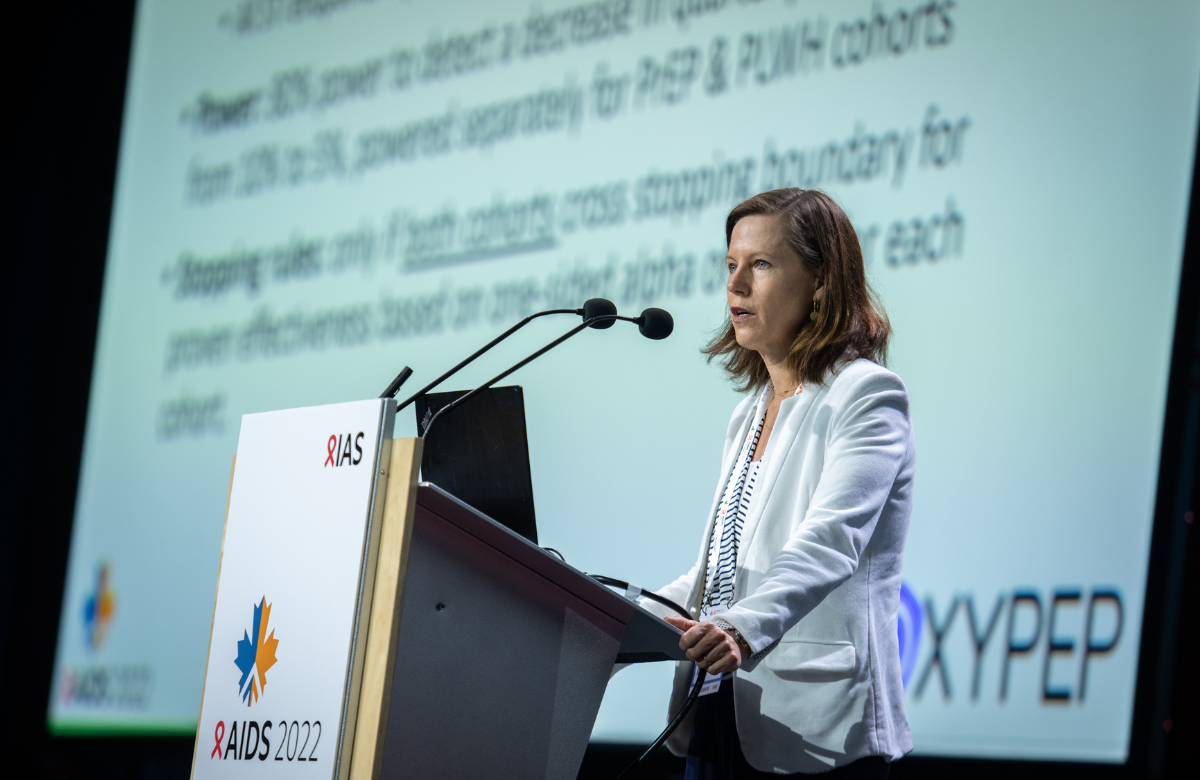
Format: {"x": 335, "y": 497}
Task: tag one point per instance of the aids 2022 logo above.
{"x": 1065, "y": 632}
{"x": 98, "y": 684}
{"x": 249, "y": 739}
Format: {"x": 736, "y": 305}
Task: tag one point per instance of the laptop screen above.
{"x": 479, "y": 453}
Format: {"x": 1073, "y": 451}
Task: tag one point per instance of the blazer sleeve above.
{"x": 867, "y": 446}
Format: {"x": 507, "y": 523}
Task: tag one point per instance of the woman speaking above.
{"x": 797, "y": 586}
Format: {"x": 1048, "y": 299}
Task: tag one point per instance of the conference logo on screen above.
{"x": 100, "y": 608}
{"x": 908, "y": 627}
{"x": 256, "y": 654}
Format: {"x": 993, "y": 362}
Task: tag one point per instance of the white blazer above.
{"x": 818, "y": 568}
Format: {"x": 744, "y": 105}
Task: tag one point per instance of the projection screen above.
{"x": 312, "y": 194}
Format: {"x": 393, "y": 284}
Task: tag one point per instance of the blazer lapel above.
{"x": 792, "y": 413}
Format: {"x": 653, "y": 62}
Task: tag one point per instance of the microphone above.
{"x": 593, "y": 309}
{"x": 654, "y": 324}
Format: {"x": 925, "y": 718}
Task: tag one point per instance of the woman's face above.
{"x": 770, "y": 291}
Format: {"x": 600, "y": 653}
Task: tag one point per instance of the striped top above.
{"x": 731, "y": 518}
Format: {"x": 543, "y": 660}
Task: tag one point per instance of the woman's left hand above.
{"x": 713, "y": 649}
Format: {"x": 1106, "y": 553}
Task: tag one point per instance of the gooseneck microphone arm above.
{"x": 653, "y": 323}
{"x": 592, "y": 309}
{"x": 464, "y": 398}
{"x": 479, "y": 352}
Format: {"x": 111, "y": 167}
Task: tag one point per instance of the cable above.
{"x": 688, "y": 703}
{"x": 674, "y": 724}
{"x": 613, "y": 582}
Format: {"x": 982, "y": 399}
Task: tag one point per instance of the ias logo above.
{"x": 100, "y": 607}
{"x": 337, "y": 450}
{"x": 256, "y": 654}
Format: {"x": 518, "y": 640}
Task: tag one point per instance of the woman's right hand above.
{"x": 712, "y": 648}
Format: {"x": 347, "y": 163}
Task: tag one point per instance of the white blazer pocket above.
{"x": 802, "y": 660}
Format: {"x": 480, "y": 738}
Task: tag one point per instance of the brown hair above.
{"x": 851, "y": 321}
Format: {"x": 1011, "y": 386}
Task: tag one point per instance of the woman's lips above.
{"x": 739, "y": 314}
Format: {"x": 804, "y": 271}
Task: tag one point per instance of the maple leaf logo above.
{"x": 256, "y": 654}
{"x": 99, "y": 609}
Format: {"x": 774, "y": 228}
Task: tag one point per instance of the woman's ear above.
{"x": 819, "y": 292}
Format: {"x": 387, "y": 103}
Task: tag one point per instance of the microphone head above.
{"x": 655, "y": 324}
{"x": 599, "y": 307}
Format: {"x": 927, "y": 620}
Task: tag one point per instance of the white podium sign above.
{"x": 293, "y": 596}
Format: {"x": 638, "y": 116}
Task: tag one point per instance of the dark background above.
{"x": 63, "y": 69}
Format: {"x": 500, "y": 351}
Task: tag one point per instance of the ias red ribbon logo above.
{"x": 337, "y": 450}
{"x": 256, "y": 654}
{"x": 219, "y": 733}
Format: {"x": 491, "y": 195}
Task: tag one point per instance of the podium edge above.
{"x": 366, "y": 750}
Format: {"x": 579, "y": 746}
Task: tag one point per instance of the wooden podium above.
{"x": 474, "y": 652}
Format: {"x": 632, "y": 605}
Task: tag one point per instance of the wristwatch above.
{"x": 730, "y": 629}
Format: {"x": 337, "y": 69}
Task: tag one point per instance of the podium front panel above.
{"x": 499, "y": 670}
{"x": 279, "y": 689}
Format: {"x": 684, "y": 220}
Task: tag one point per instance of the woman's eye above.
{"x": 761, "y": 264}
{"x": 731, "y": 267}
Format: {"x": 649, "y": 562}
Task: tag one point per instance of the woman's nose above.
{"x": 738, "y": 283}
